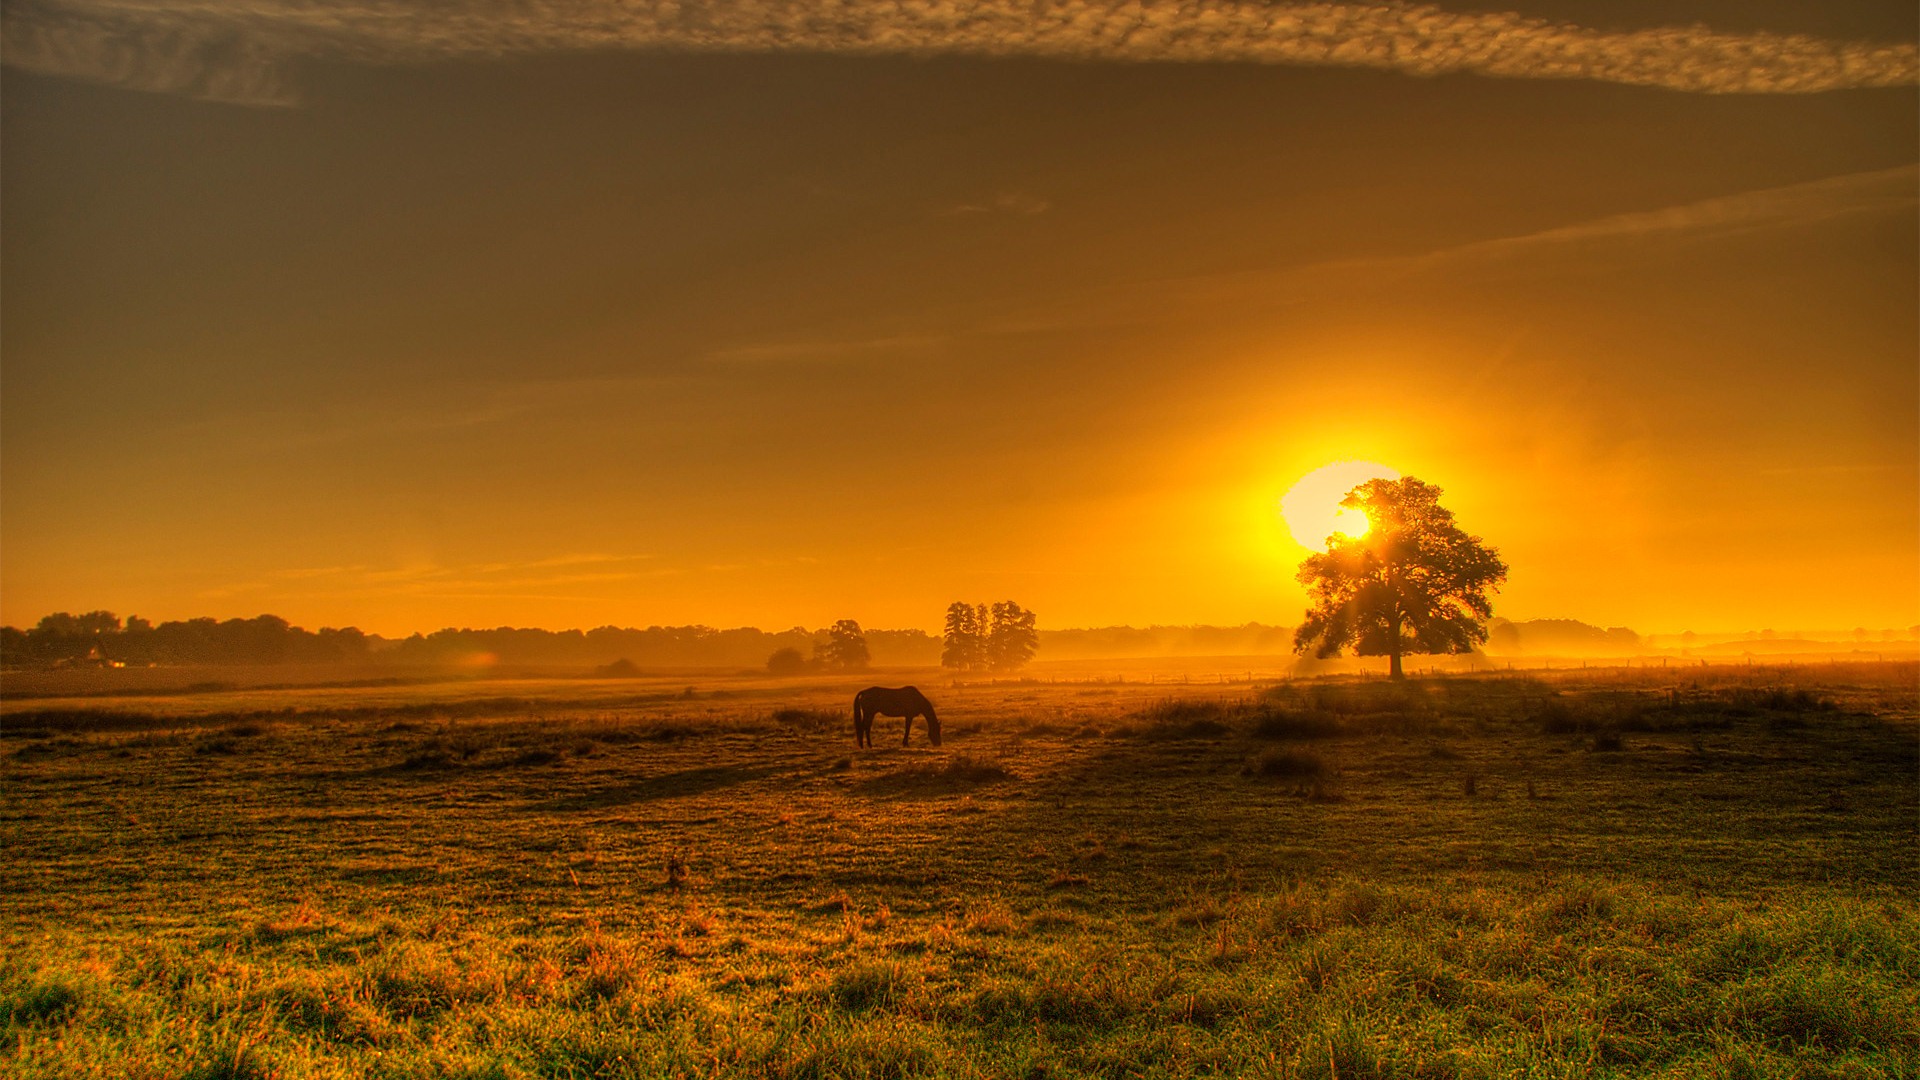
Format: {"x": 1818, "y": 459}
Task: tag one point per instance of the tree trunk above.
{"x": 1393, "y": 669}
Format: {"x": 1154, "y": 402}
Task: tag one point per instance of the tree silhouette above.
{"x": 1012, "y": 640}
{"x": 1415, "y": 583}
{"x": 845, "y": 648}
{"x": 786, "y": 662}
{"x": 982, "y": 637}
{"x": 62, "y": 624}
{"x": 964, "y": 644}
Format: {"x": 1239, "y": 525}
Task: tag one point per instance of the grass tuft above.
{"x": 810, "y": 721}
{"x": 426, "y": 761}
{"x": 1296, "y": 725}
{"x": 1286, "y": 763}
{"x": 867, "y": 985}
{"x": 42, "y": 999}
{"x": 941, "y": 774}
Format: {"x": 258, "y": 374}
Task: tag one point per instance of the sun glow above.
{"x": 1312, "y": 507}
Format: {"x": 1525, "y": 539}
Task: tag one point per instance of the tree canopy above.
{"x": 964, "y": 642}
{"x": 787, "y": 661}
{"x": 1011, "y": 639}
{"x": 845, "y": 648}
{"x": 1415, "y": 583}
{"x": 979, "y": 637}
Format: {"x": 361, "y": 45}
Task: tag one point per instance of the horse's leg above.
{"x": 907, "y": 735}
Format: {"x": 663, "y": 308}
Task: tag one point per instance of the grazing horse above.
{"x": 907, "y": 701}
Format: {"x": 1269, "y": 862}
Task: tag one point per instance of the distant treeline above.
{"x": 655, "y": 646}
{"x": 1126, "y": 642}
{"x": 101, "y": 638}
{"x": 1559, "y": 637}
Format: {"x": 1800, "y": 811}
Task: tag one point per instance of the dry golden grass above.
{"x": 1596, "y": 873}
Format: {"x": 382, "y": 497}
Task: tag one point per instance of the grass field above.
{"x": 1700, "y": 872}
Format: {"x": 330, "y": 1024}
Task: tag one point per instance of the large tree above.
{"x": 1415, "y": 583}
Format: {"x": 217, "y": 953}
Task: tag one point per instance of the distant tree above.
{"x": 964, "y": 644}
{"x": 1415, "y": 583}
{"x": 62, "y": 624}
{"x": 1012, "y": 639}
{"x": 15, "y": 646}
{"x": 786, "y": 662}
{"x": 331, "y": 644}
{"x": 903, "y": 648}
{"x": 845, "y": 648}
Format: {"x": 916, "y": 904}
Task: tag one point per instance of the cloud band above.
{"x": 241, "y": 51}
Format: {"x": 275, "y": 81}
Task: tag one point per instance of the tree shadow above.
{"x": 926, "y": 779}
{"x": 673, "y": 785}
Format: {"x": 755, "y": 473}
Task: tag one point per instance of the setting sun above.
{"x": 1312, "y": 507}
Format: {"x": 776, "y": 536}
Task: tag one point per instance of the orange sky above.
{"x": 469, "y": 324}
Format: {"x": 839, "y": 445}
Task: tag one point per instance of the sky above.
{"x": 774, "y": 313}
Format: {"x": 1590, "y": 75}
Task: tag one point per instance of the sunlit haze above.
{"x": 1312, "y": 507}
{"x": 531, "y": 318}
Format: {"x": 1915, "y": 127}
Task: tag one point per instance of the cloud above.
{"x": 1793, "y": 204}
{"x": 567, "y": 573}
{"x": 825, "y": 351}
{"x": 1880, "y": 190}
{"x": 243, "y": 51}
{"x": 1207, "y": 296}
{"x": 160, "y": 50}
{"x": 1019, "y": 203}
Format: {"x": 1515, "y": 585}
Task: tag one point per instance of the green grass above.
{"x": 1343, "y": 879}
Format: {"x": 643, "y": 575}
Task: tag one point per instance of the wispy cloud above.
{"x": 825, "y": 350}
{"x": 567, "y": 572}
{"x": 1020, "y": 203}
{"x": 1880, "y": 190}
{"x": 1794, "y": 204}
{"x": 1206, "y": 296}
{"x": 242, "y": 51}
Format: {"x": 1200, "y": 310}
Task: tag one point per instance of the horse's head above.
{"x": 933, "y": 725}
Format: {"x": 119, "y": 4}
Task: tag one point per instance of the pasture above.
{"x": 1706, "y": 871}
